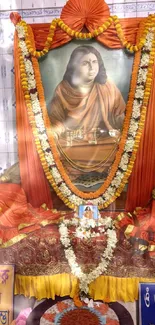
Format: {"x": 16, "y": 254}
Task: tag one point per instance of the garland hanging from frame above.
{"x": 134, "y": 120}
{"x": 86, "y": 226}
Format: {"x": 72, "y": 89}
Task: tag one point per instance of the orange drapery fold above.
{"x": 33, "y": 180}
{"x": 142, "y": 179}
{"x": 109, "y": 38}
{"x": 140, "y": 185}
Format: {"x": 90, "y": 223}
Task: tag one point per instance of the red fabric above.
{"x": 15, "y": 211}
{"x": 33, "y": 180}
{"x": 17, "y": 216}
{"x": 89, "y": 13}
{"x": 142, "y": 180}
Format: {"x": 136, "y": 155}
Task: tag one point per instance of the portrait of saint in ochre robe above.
{"x": 87, "y": 113}
{"x": 88, "y": 213}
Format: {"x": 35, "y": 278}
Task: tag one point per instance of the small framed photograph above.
{"x": 88, "y": 211}
{"x": 4, "y": 317}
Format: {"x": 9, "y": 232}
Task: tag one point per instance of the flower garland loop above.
{"x": 84, "y": 226}
{"x": 79, "y": 35}
{"x": 41, "y": 127}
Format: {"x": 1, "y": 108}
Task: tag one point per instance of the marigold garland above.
{"x": 79, "y": 35}
{"x": 142, "y": 119}
{"x": 103, "y": 188}
{"x": 52, "y": 141}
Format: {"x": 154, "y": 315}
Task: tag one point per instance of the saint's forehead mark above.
{"x": 89, "y": 60}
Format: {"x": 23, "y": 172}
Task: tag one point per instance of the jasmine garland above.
{"x": 83, "y": 229}
{"x": 64, "y": 188}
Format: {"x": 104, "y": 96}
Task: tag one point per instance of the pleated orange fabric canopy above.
{"x": 90, "y": 14}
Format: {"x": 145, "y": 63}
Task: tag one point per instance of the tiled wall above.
{"x": 35, "y": 11}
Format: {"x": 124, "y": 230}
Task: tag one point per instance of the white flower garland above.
{"x": 132, "y": 131}
{"x": 83, "y": 226}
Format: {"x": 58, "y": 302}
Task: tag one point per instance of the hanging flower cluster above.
{"x": 84, "y": 226}
{"x": 41, "y": 127}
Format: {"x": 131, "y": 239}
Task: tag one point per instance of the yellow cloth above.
{"x": 106, "y": 288}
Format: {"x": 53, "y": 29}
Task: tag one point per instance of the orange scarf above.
{"x": 102, "y": 107}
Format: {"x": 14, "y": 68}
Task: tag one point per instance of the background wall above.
{"x": 36, "y": 11}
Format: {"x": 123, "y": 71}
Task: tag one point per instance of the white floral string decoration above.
{"x": 83, "y": 226}
{"x": 64, "y": 190}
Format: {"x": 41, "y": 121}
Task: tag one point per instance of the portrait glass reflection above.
{"x": 86, "y": 110}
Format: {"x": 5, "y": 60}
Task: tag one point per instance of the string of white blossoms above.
{"x": 132, "y": 131}
{"x": 104, "y": 226}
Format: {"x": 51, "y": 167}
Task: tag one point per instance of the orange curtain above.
{"x": 142, "y": 179}
{"x": 109, "y": 38}
{"x": 91, "y": 14}
{"x": 78, "y": 14}
{"x": 33, "y": 180}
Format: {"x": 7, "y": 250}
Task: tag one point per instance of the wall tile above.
{"x": 1, "y": 70}
{"x": 3, "y": 161}
{"x": 3, "y": 106}
{"x": 11, "y": 136}
{"x": 118, "y": 1}
{"x": 142, "y": 14}
{"x": 8, "y": 36}
{"x": 11, "y": 103}
{"x": 145, "y": 1}
{"x": 35, "y": 20}
{"x": 32, "y": 13}
{"x": 54, "y": 3}
{"x": 109, "y": 2}
{"x": 11, "y": 4}
{"x": 26, "y": 4}
{"x": 1, "y": 38}
{"x": 147, "y": 6}
{"x": 129, "y": 14}
{"x": 118, "y": 7}
{"x": 53, "y": 12}
{"x": 48, "y": 19}
{"x": 120, "y": 14}
{"x": 13, "y": 158}
{"x": 8, "y": 71}
{"x": 3, "y": 136}
{"x": 130, "y": 7}
{"x": 129, "y": 1}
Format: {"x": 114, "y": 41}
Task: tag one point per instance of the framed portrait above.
{"x": 86, "y": 95}
{"x": 88, "y": 211}
{"x": 86, "y": 92}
